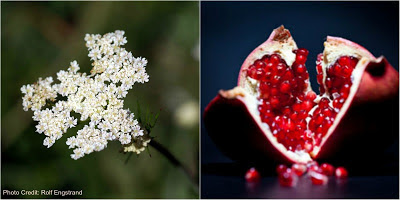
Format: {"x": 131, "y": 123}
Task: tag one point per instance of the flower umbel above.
{"x": 97, "y": 97}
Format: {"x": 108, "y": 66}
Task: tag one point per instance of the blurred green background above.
{"x": 40, "y": 38}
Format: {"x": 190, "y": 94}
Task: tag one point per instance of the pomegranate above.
{"x": 274, "y": 114}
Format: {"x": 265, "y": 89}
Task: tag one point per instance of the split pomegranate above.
{"x": 273, "y": 112}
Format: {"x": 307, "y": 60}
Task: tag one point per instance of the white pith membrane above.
{"x": 247, "y": 91}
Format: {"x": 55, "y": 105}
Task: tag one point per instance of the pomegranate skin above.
{"x": 362, "y": 132}
{"x": 237, "y": 134}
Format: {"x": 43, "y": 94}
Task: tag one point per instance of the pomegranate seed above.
{"x": 275, "y": 59}
{"x": 318, "y": 178}
{"x": 344, "y": 61}
{"x": 311, "y": 96}
{"x": 337, "y": 103}
{"x": 345, "y": 88}
{"x": 323, "y": 102}
{"x": 327, "y": 169}
{"x": 259, "y": 64}
{"x": 301, "y": 59}
{"x": 287, "y": 178}
{"x": 346, "y": 71}
{"x": 274, "y": 102}
{"x": 285, "y": 87}
{"x": 315, "y": 168}
{"x": 294, "y": 116}
{"x": 308, "y": 146}
{"x": 286, "y": 110}
{"x": 266, "y": 58}
{"x": 281, "y": 168}
{"x": 303, "y": 114}
{"x": 312, "y": 163}
{"x": 319, "y": 118}
{"x": 336, "y": 69}
{"x": 274, "y": 91}
{"x": 307, "y": 105}
{"x": 353, "y": 62}
{"x": 299, "y": 169}
{"x": 319, "y": 78}
{"x": 300, "y": 68}
{"x": 302, "y": 51}
{"x": 341, "y": 172}
{"x": 252, "y": 175}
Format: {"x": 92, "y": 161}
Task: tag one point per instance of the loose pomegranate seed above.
{"x": 327, "y": 169}
{"x": 299, "y": 169}
{"x": 341, "y": 172}
{"x": 312, "y": 163}
{"x": 252, "y": 175}
{"x": 287, "y": 178}
{"x": 318, "y": 178}
{"x": 281, "y": 168}
{"x": 315, "y": 168}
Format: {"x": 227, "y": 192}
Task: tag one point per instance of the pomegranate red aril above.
{"x": 259, "y": 64}
{"x": 285, "y": 87}
{"x": 327, "y": 169}
{"x": 280, "y": 169}
{"x": 311, "y": 96}
{"x": 318, "y": 178}
{"x": 301, "y": 51}
{"x": 300, "y": 69}
{"x": 299, "y": 169}
{"x": 308, "y": 146}
{"x": 252, "y": 175}
{"x": 338, "y": 103}
{"x": 287, "y": 178}
{"x": 341, "y": 173}
{"x": 301, "y": 59}
{"x": 314, "y": 168}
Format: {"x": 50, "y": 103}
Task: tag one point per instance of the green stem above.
{"x": 160, "y": 148}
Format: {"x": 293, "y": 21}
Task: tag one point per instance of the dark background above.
{"x": 231, "y": 30}
{"x": 38, "y": 39}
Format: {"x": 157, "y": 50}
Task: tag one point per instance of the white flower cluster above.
{"x": 96, "y": 97}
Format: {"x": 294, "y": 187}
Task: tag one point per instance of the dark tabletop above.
{"x": 376, "y": 187}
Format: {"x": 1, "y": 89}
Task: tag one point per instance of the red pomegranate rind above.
{"x": 231, "y": 126}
